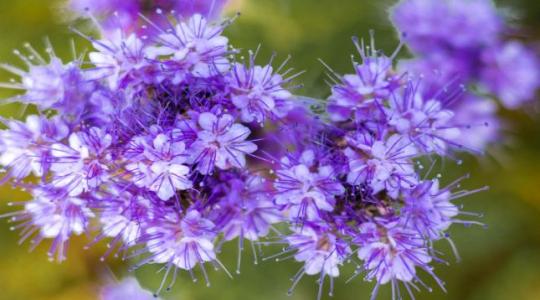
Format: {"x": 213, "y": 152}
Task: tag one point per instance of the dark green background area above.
{"x": 499, "y": 262}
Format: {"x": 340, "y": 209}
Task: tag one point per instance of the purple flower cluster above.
{"x": 468, "y": 42}
{"x": 356, "y": 193}
{"x": 154, "y": 141}
{"x": 166, "y": 142}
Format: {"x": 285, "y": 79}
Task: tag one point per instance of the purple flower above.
{"x": 511, "y": 73}
{"x": 359, "y": 93}
{"x": 423, "y": 121}
{"x": 381, "y": 163}
{"x": 120, "y": 59}
{"x": 161, "y": 168}
{"x": 428, "y": 209}
{"x": 26, "y": 146}
{"x": 125, "y": 215}
{"x": 54, "y": 215}
{"x": 195, "y": 47}
{"x": 51, "y": 85}
{"x": 84, "y": 164}
{"x": 391, "y": 252}
{"x": 321, "y": 251}
{"x": 432, "y": 25}
{"x": 183, "y": 242}
{"x": 258, "y": 92}
{"x": 220, "y": 143}
{"x": 306, "y": 193}
{"x": 245, "y": 209}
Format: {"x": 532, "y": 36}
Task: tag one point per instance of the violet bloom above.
{"x": 304, "y": 192}
{"x": 381, "y": 163}
{"x": 162, "y": 168}
{"x": 26, "y": 146}
{"x": 84, "y": 164}
{"x": 125, "y": 215}
{"x": 423, "y": 121}
{"x": 54, "y": 215}
{"x": 321, "y": 251}
{"x": 196, "y": 48}
{"x": 220, "y": 143}
{"x": 120, "y": 59}
{"x": 129, "y": 288}
{"x": 428, "y": 209}
{"x": 181, "y": 241}
{"x": 391, "y": 252}
{"x": 50, "y": 85}
{"x": 432, "y": 25}
{"x": 258, "y": 92}
{"x": 246, "y": 209}
{"x": 511, "y": 73}
{"x": 360, "y": 92}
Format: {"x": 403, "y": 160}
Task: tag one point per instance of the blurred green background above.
{"x": 498, "y": 263}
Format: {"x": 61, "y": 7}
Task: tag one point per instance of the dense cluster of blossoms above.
{"x": 153, "y": 141}
{"x": 172, "y": 145}
{"x": 356, "y": 192}
{"x": 467, "y": 41}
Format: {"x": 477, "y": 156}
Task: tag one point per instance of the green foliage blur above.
{"x": 500, "y": 262}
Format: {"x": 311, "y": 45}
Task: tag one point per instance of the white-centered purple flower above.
{"x": 220, "y": 143}
{"x": 383, "y": 164}
{"x": 425, "y": 122}
{"x": 85, "y": 163}
{"x": 162, "y": 167}
{"x": 305, "y": 192}
{"x": 245, "y": 208}
{"x": 391, "y": 252}
{"x": 120, "y": 59}
{"x": 196, "y": 48}
{"x": 359, "y": 93}
{"x": 26, "y": 147}
{"x": 182, "y": 241}
{"x": 50, "y": 84}
{"x": 52, "y": 214}
{"x": 428, "y": 209}
{"x": 258, "y": 92}
{"x": 320, "y": 251}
